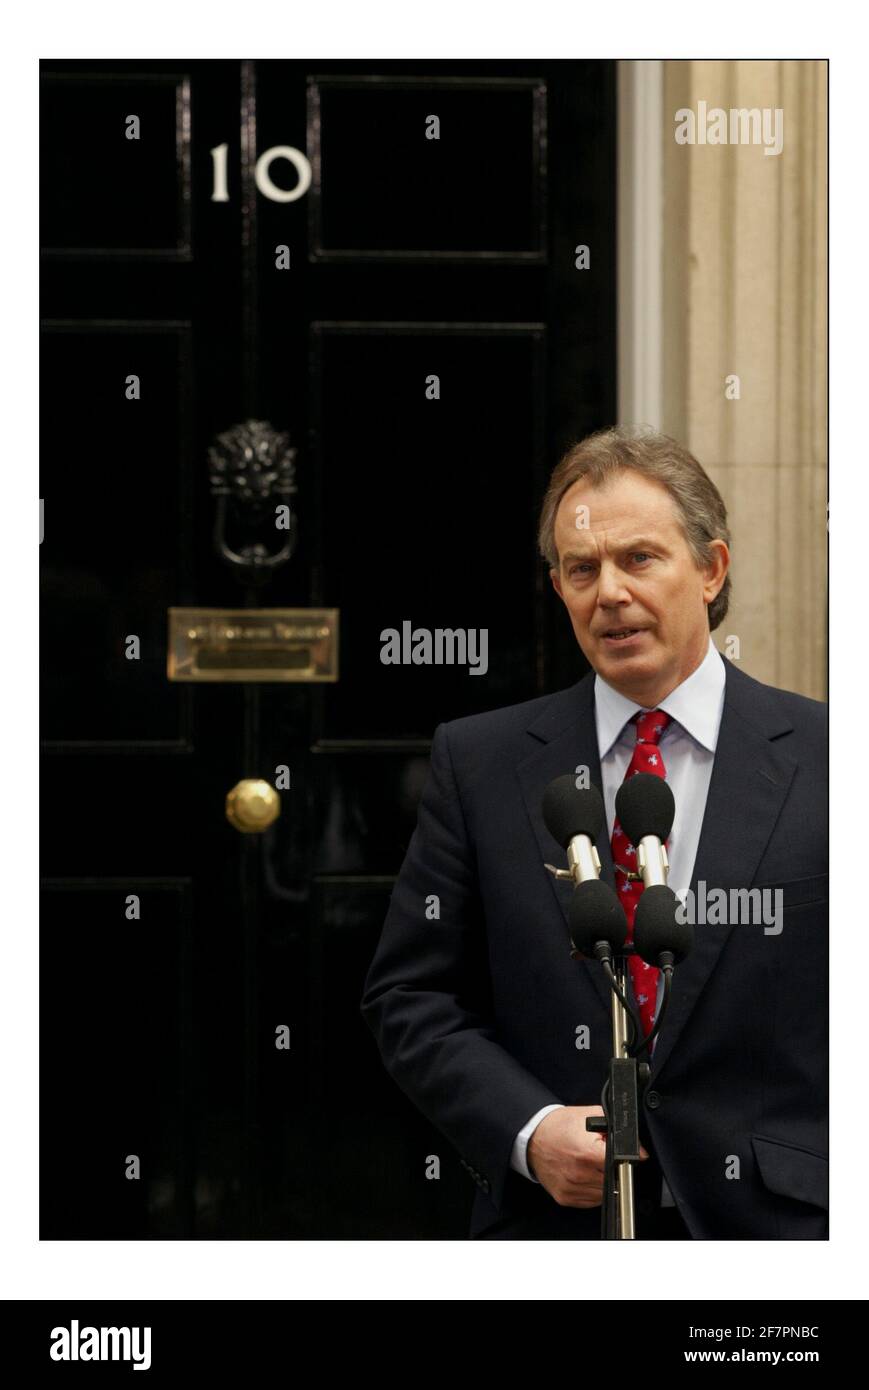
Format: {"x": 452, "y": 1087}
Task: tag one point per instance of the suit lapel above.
{"x": 751, "y": 775}
{"x": 567, "y": 735}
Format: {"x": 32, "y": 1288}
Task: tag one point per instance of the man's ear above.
{"x": 716, "y": 570}
{"x": 556, "y": 583}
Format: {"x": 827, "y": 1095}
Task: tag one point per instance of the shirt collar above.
{"x": 696, "y": 704}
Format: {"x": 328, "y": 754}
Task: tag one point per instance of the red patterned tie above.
{"x": 647, "y": 758}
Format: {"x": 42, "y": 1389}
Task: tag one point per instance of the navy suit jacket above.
{"x": 475, "y": 1012}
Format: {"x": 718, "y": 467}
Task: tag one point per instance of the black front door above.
{"x": 419, "y": 343}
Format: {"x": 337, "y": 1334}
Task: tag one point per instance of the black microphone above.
{"x": 659, "y": 937}
{"x": 646, "y": 810}
{"x": 574, "y": 817}
{"x": 598, "y": 925}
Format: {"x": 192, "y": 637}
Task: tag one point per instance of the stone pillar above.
{"x": 743, "y": 281}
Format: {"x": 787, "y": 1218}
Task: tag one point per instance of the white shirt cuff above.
{"x": 518, "y": 1158}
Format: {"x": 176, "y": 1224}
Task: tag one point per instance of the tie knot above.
{"x": 650, "y": 725}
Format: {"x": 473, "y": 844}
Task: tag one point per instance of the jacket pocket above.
{"x": 797, "y": 891}
{"x": 789, "y": 1171}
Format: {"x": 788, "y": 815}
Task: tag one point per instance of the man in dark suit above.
{"x": 482, "y": 1018}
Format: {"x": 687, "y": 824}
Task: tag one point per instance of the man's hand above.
{"x": 567, "y": 1159}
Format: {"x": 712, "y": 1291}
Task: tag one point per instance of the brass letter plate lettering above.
{"x": 253, "y": 644}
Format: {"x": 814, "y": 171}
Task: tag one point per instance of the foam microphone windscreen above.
{"x": 645, "y": 806}
{"x": 569, "y": 810}
{"x": 656, "y": 927}
{"x": 595, "y": 914}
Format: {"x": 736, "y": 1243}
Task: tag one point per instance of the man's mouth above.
{"x": 620, "y": 634}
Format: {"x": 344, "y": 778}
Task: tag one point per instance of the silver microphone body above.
{"x": 652, "y": 861}
{"x": 583, "y": 861}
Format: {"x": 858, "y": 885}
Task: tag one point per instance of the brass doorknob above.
{"x": 252, "y": 805}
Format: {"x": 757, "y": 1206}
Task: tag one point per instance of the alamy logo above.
{"x": 738, "y": 126}
{"x": 741, "y": 907}
{"x": 445, "y": 646}
{"x": 76, "y": 1343}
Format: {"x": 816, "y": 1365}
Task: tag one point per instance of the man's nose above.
{"x": 611, "y": 589}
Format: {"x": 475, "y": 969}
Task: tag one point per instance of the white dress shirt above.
{"x": 688, "y": 750}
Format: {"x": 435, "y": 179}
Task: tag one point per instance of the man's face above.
{"x": 627, "y": 566}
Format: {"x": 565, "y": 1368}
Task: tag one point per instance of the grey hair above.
{"x": 602, "y": 455}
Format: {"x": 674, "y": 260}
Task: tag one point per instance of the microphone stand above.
{"x": 574, "y": 819}
{"x": 620, "y": 1122}
{"x": 623, "y": 1090}
{"x": 627, "y": 1079}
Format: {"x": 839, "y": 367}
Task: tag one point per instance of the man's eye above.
{"x": 641, "y": 555}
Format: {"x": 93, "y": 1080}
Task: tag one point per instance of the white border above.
{"x": 405, "y": 1270}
